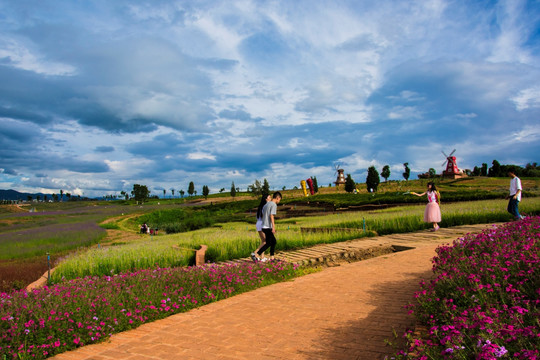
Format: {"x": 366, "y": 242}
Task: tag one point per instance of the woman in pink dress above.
{"x": 432, "y": 214}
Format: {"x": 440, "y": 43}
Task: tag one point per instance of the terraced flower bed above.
{"x": 483, "y": 302}
{"x": 84, "y": 311}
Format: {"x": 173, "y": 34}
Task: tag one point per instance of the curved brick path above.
{"x": 342, "y": 312}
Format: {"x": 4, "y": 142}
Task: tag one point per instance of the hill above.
{"x": 15, "y": 195}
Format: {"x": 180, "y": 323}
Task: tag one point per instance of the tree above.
{"x": 140, "y": 192}
{"x": 233, "y": 190}
{"x": 476, "y": 171}
{"x": 315, "y": 185}
{"x": 68, "y": 195}
{"x": 432, "y": 172}
{"x": 191, "y": 188}
{"x": 350, "y": 185}
{"x": 484, "y": 169}
{"x": 182, "y": 192}
{"x": 385, "y": 172}
{"x": 61, "y": 194}
{"x": 221, "y": 190}
{"x": 164, "y": 191}
{"x": 266, "y": 187}
{"x": 172, "y": 191}
{"x": 55, "y": 197}
{"x": 407, "y": 172}
{"x": 256, "y": 188}
{"x": 29, "y": 198}
{"x": 205, "y": 191}
{"x": 495, "y": 169}
{"x": 372, "y": 180}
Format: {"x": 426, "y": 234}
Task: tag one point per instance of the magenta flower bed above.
{"x": 483, "y": 302}
{"x": 59, "y": 318}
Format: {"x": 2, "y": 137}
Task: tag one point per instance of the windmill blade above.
{"x": 444, "y": 163}
{"x": 453, "y": 151}
{"x": 444, "y": 154}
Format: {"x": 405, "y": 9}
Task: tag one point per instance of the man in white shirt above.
{"x": 515, "y": 195}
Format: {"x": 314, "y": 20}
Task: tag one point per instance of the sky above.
{"x": 99, "y": 95}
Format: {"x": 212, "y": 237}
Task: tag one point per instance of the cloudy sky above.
{"x": 98, "y": 95}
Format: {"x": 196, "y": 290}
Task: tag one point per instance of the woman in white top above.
{"x": 432, "y": 214}
{"x": 258, "y": 225}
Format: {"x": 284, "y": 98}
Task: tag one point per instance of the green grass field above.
{"x": 236, "y": 240}
{"x": 69, "y": 229}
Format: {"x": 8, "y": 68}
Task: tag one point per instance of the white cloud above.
{"x": 200, "y": 156}
{"x": 404, "y": 112}
{"x": 528, "y": 134}
{"x": 527, "y": 98}
{"x": 514, "y": 32}
{"x": 18, "y": 55}
{"x": 467, "y": 116}
{"x": 407, "y": 95}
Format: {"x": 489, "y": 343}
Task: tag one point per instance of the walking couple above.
{"x": 266, "y": 226}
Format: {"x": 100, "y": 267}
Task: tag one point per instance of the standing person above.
{"x": 258, "y": 225}
{"x": 268, "y": 227}
{"x": 432, "y": 214}
{"x": 515, "y": 195}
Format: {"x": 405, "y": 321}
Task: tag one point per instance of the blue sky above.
{"x": 98, "y": 95}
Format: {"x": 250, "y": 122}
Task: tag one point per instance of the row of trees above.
{"x": 56, "y": 197}
{"x": 498, "y": 170}
{"x": 373, "y": 180}
{"x": 142, "y": 193}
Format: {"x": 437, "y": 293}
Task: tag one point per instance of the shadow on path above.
{"x": 365, "y": 339}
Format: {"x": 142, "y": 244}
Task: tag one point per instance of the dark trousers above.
{"x": 513, "y": 207}
{"x": 270, "y": 242}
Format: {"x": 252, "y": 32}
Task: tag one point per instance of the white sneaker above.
{"x": 263, "y": 260}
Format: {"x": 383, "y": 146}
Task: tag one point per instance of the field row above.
{"x": 237, "y": 240}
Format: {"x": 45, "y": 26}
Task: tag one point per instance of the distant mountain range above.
{"x": 15, "y": 195}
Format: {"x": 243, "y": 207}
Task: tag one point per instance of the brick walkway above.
{"x": 342, "y": 312}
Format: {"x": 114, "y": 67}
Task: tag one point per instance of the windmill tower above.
{"x": 340, "y": 175}
{"x": 452, "y": 171}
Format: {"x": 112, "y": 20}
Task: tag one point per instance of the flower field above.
{"x": 483, "y": 302}
{"x": 45, "y": 322}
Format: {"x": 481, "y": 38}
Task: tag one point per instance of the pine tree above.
{"x": 233, "y": 190}
{"x": 350, "y": 185}
{"x": 385, "y": 172}
{"x": 315, "y": 185}
{"x": 372, "y": 180}
{"x": 265, "y": 187}
{"x": 407, "y": 172}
